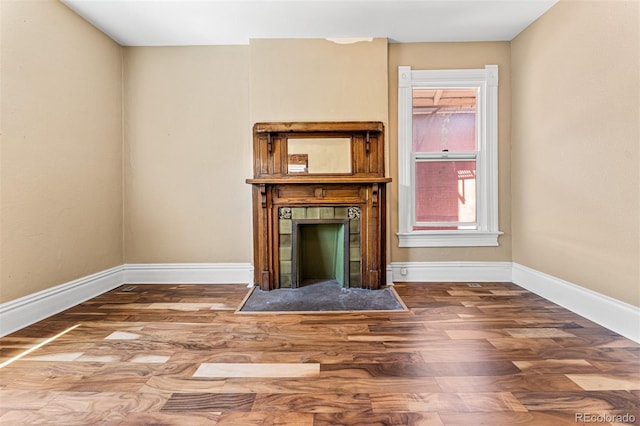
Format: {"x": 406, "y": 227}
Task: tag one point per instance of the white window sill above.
{"x": 448, "y": 239}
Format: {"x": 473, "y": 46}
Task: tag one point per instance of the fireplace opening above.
{"x": 320, "y": 252}
{"x": 339, "y": 229}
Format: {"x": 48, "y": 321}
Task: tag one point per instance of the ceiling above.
{"x": 219, "y": 22}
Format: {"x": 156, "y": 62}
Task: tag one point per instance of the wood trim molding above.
{"x": 320, "y": 126}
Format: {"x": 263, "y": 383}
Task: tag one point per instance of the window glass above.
{"x": 444, "y": 120}
{"x": 445, "y": 191}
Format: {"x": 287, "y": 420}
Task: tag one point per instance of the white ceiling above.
{"x": 219, "y": 22}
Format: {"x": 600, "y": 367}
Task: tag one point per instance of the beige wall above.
{"x": 318, "y": 80}
{"x": 451, "y": 56}
{"x": 61, "y": 171}
{"x": 575, "y": 164}
{"x": 188, "y": 121}
{"x": 187, "y": 155}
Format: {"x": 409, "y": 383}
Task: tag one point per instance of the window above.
{"x": 447, "y": 153}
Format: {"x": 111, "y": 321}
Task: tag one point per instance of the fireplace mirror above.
{"x": 318, "y": 156}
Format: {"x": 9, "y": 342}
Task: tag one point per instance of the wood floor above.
{"x": 179, "y": 355}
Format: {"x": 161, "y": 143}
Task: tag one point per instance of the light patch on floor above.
{"x": 122, "y": 335}
{"x": 597, "y": 382}
{"x": 98, "y": 358}
{"x": 150, "y": 359}
{"x": 185, "y": 307}
{"x": 522, "y": 365}
{"x": 532, "y": 333}
{"x": 257, "y": 370}
{"x": 65, "y": 356}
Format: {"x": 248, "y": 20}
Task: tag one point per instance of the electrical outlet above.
{"x": 403, "y": 271}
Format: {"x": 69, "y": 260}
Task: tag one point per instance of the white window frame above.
{"x": 486, "y": 82}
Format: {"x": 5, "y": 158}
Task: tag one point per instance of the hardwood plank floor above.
{"x": 179, "y": 355}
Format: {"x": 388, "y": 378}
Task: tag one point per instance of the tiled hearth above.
{"x": 287, "y": 216}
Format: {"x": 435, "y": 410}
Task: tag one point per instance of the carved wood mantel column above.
{"x": 286, "y": 177}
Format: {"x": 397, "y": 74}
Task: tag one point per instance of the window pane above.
{"x": 445, "y": 191}
{"x": 444, "y": 120}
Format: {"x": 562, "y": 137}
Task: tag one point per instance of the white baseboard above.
{"x": 449, "y": 271}
{"x": 613, "y": 314}
{"x": 610, "y": 313}
{"x": 188, "y": 273}
{"x": 30, "y": 309}
{"x": 389, "y": 273}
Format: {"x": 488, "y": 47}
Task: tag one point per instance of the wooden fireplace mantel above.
{"x": 361, "y": 189}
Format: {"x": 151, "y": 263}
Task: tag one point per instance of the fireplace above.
{"x": 319, "y": 204}
{"x": 314, "y": 250}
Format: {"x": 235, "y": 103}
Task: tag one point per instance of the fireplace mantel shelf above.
{"x": 307, "y": 179}
{"x": 310, "y": 127}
